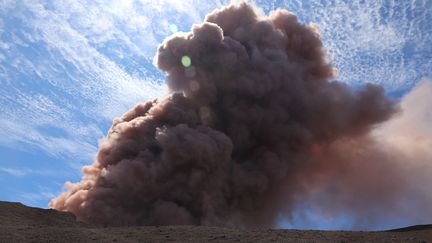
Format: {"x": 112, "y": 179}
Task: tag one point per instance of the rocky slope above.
{"x": 19, "y": 223}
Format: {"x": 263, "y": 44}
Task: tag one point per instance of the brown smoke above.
{"x": 253, "y": 127}
{"x": 382, "y": 179}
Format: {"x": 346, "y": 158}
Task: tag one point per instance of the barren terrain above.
{"x": 19, "y": 223}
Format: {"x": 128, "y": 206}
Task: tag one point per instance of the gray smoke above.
{"x": 252, "y": 127}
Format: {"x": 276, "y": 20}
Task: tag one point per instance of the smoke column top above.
{"x": 242, "y": 138}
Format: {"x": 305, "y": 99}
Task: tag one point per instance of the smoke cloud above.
{"x": 252, "y": 128}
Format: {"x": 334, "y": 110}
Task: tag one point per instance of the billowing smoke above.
{"x": 253, "y": 128}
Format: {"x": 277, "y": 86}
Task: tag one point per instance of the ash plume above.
{"x": 253, "y": 126}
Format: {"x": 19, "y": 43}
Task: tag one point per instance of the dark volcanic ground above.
{"x": 19, "y": 223}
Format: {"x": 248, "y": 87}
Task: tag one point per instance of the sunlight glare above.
{"x": 173, "y": 28}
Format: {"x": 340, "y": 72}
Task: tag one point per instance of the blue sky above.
{"x": 67, "y": 69}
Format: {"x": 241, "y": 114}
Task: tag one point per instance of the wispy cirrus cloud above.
{"x": 14, "y": 171}
{"x": 383, "y": 42}
{"x": 68, "y": 68}
{"x": 23, "y": 171}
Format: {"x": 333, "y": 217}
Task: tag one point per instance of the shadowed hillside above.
{"x": 19, "y": 223}
{"x": 14, "y": 214}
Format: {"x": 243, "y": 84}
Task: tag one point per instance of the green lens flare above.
{"x": 173, "y": 28}
{"x": 186, "y": 61}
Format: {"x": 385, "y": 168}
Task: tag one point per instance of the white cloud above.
{"x": 14, "y": 171}
{"x": 100, "y": 87}
{"x": 19, "y": 136}
{"x": 22, "y": 171}
{"x": 68, "y": 67}
{"x": 384, "y": 42}
{"x": 68, "y": 39}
